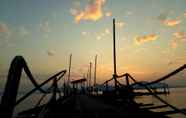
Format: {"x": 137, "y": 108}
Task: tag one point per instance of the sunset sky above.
{"x": 150, "y": 35}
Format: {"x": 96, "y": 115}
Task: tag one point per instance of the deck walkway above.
{"x": 83, "y": 106}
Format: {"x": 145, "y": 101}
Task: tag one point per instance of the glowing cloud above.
{"x": 108, "y": 14}
{"x": 92, "y": 11}
{"x": 141, "y": 39}
{"x": 172, "y": 22}
{"x": 180, "y": 35}
{"x": 3, "y": 28}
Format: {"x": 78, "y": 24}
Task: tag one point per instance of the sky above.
{"x": 150, "y": 36}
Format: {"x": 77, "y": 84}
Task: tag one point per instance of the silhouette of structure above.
{"x": 118, "y": 102}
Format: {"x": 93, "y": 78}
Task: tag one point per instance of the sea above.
{"x": 177, "y": 98}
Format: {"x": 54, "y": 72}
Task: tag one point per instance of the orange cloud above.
{"x": 172, "y": 22}
{"x": 3, "y": 28}
{"x": 146, "y": 38}
{"x": 108, "y": 14}
{"x": 91, "y": 12}
{"x": 180, "y": 35}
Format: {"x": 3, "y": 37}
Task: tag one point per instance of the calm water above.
{"x": 176, "y": 97}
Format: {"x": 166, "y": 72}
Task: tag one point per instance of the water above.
{"x": 177, "y": 98}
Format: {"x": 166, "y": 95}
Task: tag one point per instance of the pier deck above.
{"x": 83, "y": 106}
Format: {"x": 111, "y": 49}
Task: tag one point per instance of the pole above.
{"x": 114, "y": 54}
{"x": 95, "y": 71}
{"x": 90, "y": 74}
{"x": 70, "y": 61}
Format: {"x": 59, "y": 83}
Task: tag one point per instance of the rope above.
{"x": 156, "y": 96}
{"x": 42, "y": 84}
{"x": 153, "y": 82}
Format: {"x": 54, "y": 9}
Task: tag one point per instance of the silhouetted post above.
{"x": 127, "y": 80}
{"x": 114, "y": 55}
{"x": 70, "y": 61}
{"x": 88, "y": 79}
{"x": 54, "y": 89}
{"x": 90, "y": 74}
{"x": 95, "y": 71}
{"x": 106, "y": 85}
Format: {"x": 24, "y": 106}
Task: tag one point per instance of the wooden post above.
{"x": 95, "y": 71}
{"x": 70, "y": 61}
{"x": 90, "y": 74}
{"x": 114, "y": 55}
{"x": 54, "y": 89}
{"x": 127, "y": 80}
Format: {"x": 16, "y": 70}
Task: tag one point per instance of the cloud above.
{"x": 146, "y": 38}
{"x": 50, "y": 53}
{"x": 163, "y": 16}
{"x": 108, "y": 14}
{"x": 74, "y": 11}
{"x": 3, "y": 28}
{"x": 93, "y": 11}
{"x": 44, "y": 27}
{"x": 172, "y": 22}
{"x": 103, "y": 34}
{"x": 178, "y": 37}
